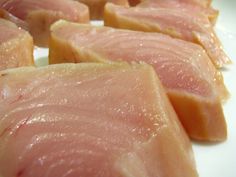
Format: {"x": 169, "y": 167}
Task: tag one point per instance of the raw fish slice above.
{"x": 187, "y": 7}
{"x": 168, "y": 21}
{"x": 39, "y": 15}
{"x": 91, "y": 120}
{"x": 183, "y": 67}
{"x": 96, "y": 7}
{"x": 12, "y": 54}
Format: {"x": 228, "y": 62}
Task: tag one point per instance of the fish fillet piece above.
{"x": 39, "y": 15}
{"x": 90, "y": 120}
{"x": 173, "y": 22}
{"x": 187, "y": 7}
{"x": 12, "y": 53}
{"x": 96, "y": 7}
{"x": 192, "y": 82}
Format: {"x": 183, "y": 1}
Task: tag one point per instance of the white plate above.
{"x": 213, "y": 160}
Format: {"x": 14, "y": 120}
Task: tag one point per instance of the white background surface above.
{"x": 213, "y": 160}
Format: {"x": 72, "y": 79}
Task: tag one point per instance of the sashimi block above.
{"x": 173, "y": 22}
{"x": 183, "y": 67}
{"x": 39, "y": 15}
{"x": 16, "y": 46}
{"x": 96, "y": 7}
{"x": 91, "y": 120}
{"x": 187, "y": 7}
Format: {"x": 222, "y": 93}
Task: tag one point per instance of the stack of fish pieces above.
{"x": 110, "y": 118}
{"x": 193, "y": 84}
